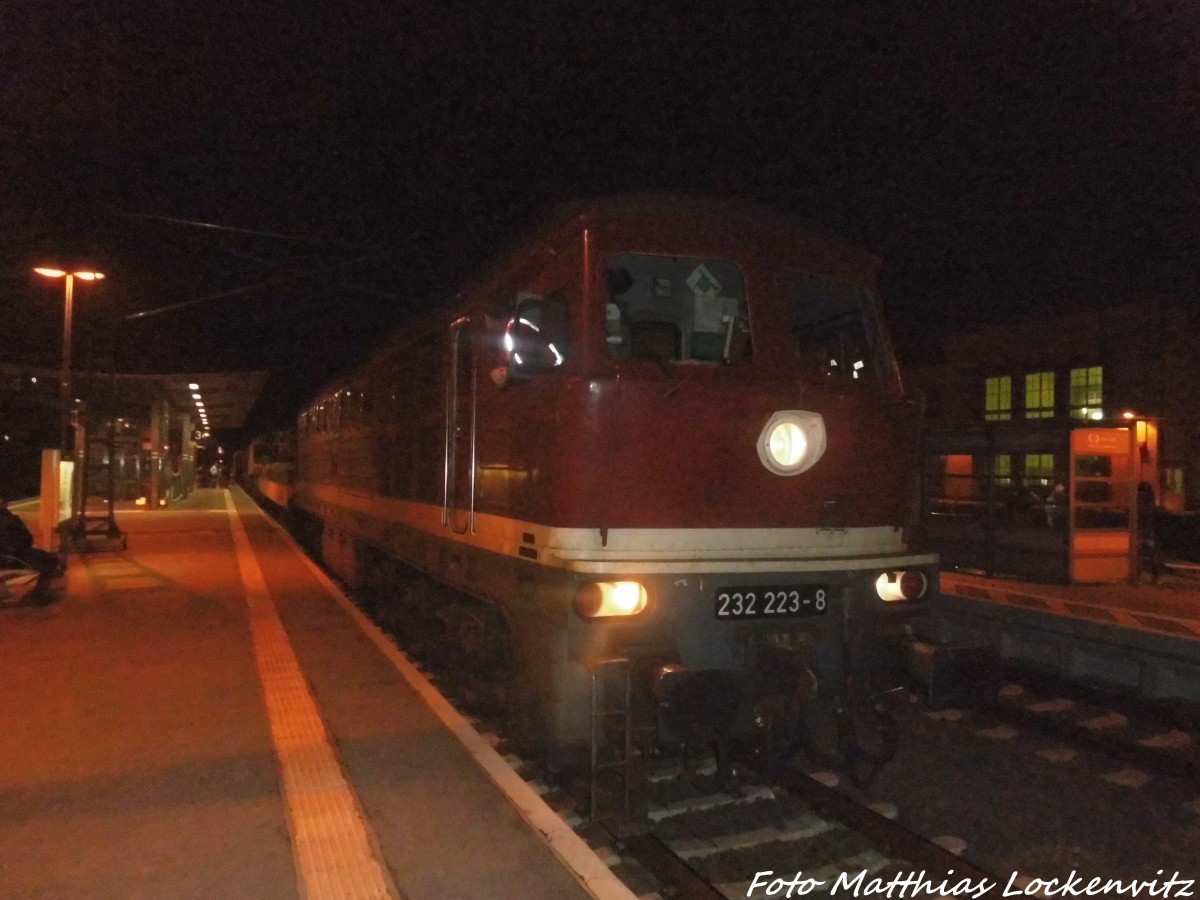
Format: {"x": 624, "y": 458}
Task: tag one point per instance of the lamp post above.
{"x": 66, "y": 366}
{"x": 64, "y": 437}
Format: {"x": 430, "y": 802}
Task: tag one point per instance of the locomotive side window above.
{"x": 834, "y": 329}
{"x": 676, "y": 309}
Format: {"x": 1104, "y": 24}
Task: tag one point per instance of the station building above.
{"x": 1044, "y": 435}
{"x": 1139, "y": 357}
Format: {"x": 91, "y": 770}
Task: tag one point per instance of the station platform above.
{"x": 1170, "y": 607}
{"x": 1143, "y": 638}
{"x": 205, "y": 714}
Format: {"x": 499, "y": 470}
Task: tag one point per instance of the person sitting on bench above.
{"x": 17, "y": 542}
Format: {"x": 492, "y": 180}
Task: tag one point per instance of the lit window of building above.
{"x": 997, "y": 399}
{"x": 1087, "y": 393}
{"x": 1002, "y": 468}
{"x": 1039, "y": 395}
{"x": 1039, "y": 468}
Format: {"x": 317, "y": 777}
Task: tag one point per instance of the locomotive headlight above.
{"x": 792, "y": 441}
{"x": 608, "y": 599}
{"x": 909, "y": 584}
{"x": 787, "y": 444}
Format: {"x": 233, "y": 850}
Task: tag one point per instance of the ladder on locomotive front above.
{"x": 621, "y": 761}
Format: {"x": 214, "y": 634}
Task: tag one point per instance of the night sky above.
{"x": 362, "y": 158}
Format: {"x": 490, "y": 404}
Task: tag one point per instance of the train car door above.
{"x": 459, "y": 509}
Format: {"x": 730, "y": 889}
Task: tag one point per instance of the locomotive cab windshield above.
{"x": 836, "y": 335}
{"x": 676, "y": 309}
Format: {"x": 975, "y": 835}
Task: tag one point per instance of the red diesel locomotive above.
{"x": 664, "y": 430}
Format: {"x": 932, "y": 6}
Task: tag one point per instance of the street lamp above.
{"x": 66, "y": 366}
{"x": 77, "y": 481}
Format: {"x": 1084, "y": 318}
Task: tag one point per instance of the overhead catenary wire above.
{"x": 290, "y": 272}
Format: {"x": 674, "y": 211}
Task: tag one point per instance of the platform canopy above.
{"x": 227, "y": 397}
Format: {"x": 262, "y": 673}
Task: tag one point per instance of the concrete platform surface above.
{"x": 202, "y": 715}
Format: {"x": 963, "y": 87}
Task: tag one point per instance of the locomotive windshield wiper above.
{"x": 729, "y": 321}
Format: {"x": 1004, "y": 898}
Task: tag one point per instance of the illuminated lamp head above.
{"x": 610, "y": 599}
{"x": 792, "y": 441}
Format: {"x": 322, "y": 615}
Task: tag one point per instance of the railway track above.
{"x": 749, "y": 838}
{"x": 760, "y": 839}
{"x": 1163, "y": 738}
{"x": 684, "y": 837}
{"x": 1041, "y": 785}
{"x": 812, "y": 830}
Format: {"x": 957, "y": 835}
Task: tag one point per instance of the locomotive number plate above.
{"x": 780, "y": 601}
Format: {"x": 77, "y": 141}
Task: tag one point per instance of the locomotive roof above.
{"x": 700, "y": 206}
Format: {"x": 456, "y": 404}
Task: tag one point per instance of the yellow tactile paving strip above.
{"x": 592, "y": 873}
{"x": 336, "y": 854}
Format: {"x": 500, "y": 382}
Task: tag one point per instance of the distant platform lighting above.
{"x": 193, "y": 387}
